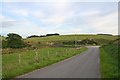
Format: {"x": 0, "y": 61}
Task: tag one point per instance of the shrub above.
{"x": 14, "y": 41}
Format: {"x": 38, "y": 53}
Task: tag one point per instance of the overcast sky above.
{"x": 28, "y": 18}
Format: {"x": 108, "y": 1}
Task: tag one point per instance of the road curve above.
{"x": 84, "y": 65}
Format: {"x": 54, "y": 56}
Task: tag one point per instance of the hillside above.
{"x": 100, "y": 39}
{"x": 70, "y": 37}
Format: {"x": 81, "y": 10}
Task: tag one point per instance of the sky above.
{"x": 39, "y": 18}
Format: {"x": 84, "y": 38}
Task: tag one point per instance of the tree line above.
{"x": 15, "y": 40}
{"x": 55, "y": 34}
{"x": 106, "y": 34}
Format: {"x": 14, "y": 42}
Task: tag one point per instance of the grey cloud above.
{"x": 7, "y": 24}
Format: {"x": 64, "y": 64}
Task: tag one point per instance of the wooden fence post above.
{"x": 56, "y": 53}
{"x": 66, "y": 49}
{"x": 19, "y": 59}
{"x": 48, "y": 54}
{"x": 36, "y": 56}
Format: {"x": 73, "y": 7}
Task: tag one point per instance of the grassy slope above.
{"x": 70, "y": 37}
{"x": 12, "y": 67}
{"x": 100, "y": 39}
{"x": 109, "y": 61}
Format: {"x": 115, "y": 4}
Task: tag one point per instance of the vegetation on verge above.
{"x": 109, "y": 60}
{"x": 19, "y": 63}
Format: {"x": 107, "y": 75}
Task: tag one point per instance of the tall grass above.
{"x": 45, "y": 56}
{"x": 109, "y": 61}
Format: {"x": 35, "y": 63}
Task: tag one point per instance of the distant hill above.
{"x": 101, "y": 39}
{"x": 71, "y": 37}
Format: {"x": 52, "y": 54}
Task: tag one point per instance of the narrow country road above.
{"x": 84, "y": 65}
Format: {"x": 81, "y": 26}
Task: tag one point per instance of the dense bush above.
{"x": 69, "y": 42}
{"x": 81, "y": 42}
{"x": 14, "y": 41}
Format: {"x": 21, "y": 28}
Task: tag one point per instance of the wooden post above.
{"x": 48, "y": 54}
{"x": 19, "y": 59}
{"x": 36, "y": 56}
{"x": 56, "y": 53}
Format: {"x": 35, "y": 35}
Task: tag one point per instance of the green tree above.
{"x": 14, "y": 40}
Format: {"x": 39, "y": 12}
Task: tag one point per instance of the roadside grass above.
{"x": 109, "y": 61}
{"x": 34, "y": 59}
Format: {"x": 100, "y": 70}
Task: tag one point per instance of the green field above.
{"x": 19, "y": 63}
{"x": 100, "y": 39}
{"x": 70, "y": 37}
{"x": 109, "y": 61}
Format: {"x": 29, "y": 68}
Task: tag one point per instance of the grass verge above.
{"x": 23, "y": 62}
{"x": 109, "y": 61}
